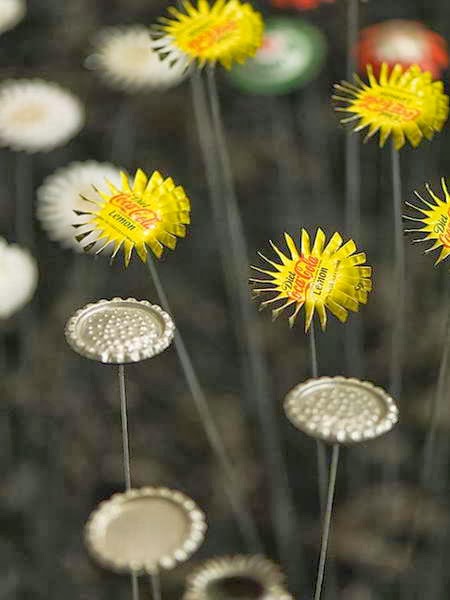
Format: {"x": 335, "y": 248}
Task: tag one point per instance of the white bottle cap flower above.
{"x": 125, "y": 59}
{"x": 60, "y": 195}
{"x": 18, "y": 278}
{"x": 11, "y": 13}
{"x": 37, "y": 116}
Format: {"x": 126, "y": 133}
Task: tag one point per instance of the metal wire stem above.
{"x": 126, "y": 457}
{"x": 327, "y": 522}
{"x": 243, "y": 517}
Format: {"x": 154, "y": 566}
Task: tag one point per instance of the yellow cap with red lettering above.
{"x": 149, "y": 212}
{"x": 327, "y": 276}
{"x": 434, "y": 220}
{"x": 403, "y": 103}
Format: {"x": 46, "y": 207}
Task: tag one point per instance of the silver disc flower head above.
{"x": 145, "y": 530}
{"x": 341, "y": 410}
{"x": 120, "y": 331}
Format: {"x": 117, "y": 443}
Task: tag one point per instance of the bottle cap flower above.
{"x": 11, "y": 13}
{"x": 292, "y": 53}
{"x": 240, "y": 576}
{"x": 145, "y": 530}
{"x": 64, "y": 192}
{"x": 37, "y": 115}
{"x": 148, "y": 212}
{"x": 435, "y": 221}
{"x": 18, "y": 278}
{"x": 300, "y": 4}
{"x": 228, "y": 31}
{"x": 125, "y": 60}
{"x": 402, "y": 42}
{"x": 320, "y": 278}
{"x": 405, "y": 104}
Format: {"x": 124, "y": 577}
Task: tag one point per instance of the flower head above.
{"x": 325, "y": 276}
{"x": 238, "y": 576}
{"x": 125, "y": 59}
{"x": 37, "y": 116}
{"x": 406, "y": 104}
{"x": 292, "y": 53}
{"x": 66, "y": 191}
{"x": 18, "y": 278}
{"x": 299, "y": 4}
{"x": 11, "y": 13}
{"x": 402, "y": 42}
{"x": 148, "y": 212}
{"x": 434, "y": 220}
{"x": 228, "y": 31}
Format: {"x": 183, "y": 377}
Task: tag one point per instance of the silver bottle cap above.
{"x": 120, "y": 331}
{"x": 340, "y": 410}
{"x": 251, "y": 577}
{"x": 145, "y": 530}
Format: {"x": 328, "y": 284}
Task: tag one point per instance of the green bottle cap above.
{"x": 292, "y": 53}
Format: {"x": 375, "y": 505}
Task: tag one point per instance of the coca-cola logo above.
{"x": 299, "y": 280}
{"x": 145, "y": 217}
{"x": 389, "y": 107}
{"x": 211, "y": 36}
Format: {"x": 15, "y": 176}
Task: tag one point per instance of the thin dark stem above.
{"x": 439, "y": 398}
{"x": 322, "y": 462}
{"x": 155, "y": 584}
{"x": 124, "y": 418}
{"x": 327, "y": 522}
{"x": 126, "y": 457}
{"x": 352, "y": 36}
{"x": 398, "y": 329}
{"x": 354, "y": 330}
{"x": 243, "y": 517}
{"x": 282, "y": 505}
{"x": 313, "y": 347}
{"x": 24, "y": 226}
{"x": 123, "y": 134}
{"x": 134, "y": 587}
{"x": 431, "y": 469}
{"x": 24, "y": 232}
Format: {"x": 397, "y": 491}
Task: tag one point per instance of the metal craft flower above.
{"x": 65, "y": 191}
{"x": 11, "y": 13}
{"x": 124, "y": 58}
{"x": 238, "y": 576}
{"x": 225, "y": 32}
{"x": 405, "y": 104}
{"x": 18, "y": 278}
{"x": 435, "y": 221}
{"x": 37, "y": 115}
{"x": 300, "y": 4}
{"x": 402, "y": 42}
{"x": 320, "y": 278}
{"x": 149, "y": 212}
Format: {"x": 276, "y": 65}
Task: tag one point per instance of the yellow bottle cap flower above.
{"x": 326, "y": 276}
{"x": 406, "y": 104}
{"x": 149, "y": 212}
{"x": 227, "y": 31}
{"x": 435, "y": 221}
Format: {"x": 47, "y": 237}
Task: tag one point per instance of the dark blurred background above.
{"x": 60, "y": 423}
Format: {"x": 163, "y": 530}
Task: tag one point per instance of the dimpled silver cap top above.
{"x": 120, "y": 331}
{"x": 340, "y": 410}
{"x": 145, "y": 530}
